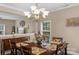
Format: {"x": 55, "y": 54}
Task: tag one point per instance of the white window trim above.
{"x": 42, "y": 26}
{"x": 41, "y": 31}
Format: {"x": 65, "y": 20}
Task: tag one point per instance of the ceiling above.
{"x": 48, "y": 6}
{"x": 21, "y": 7}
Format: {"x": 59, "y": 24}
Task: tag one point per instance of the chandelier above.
{"x": 36, "y": 13}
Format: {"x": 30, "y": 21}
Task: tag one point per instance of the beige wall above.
{"x": 29, "y": 23}
{"x": 59, "y": 28}
{"x": 8, "y": 25}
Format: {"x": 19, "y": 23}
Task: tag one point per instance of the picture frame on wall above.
{"x": 72, "y": 21}
{"x": 22, "y": 23}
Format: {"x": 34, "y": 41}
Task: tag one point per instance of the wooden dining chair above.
{"x": 62, "y": 49}
{"x": 26, "y": 50}
{"x": 57, "y": 39}
{"x": 15, "y": 48}
{"x": 59, "y": 42}
{"x": 53, "y": 50}
{"x": 24, "y": 39}
{"x": 6, "y": 46}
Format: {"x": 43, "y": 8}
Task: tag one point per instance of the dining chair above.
{"x": 24, "y": 38}
{"x": 6, "y": 46}
{"x": 15, "y": 48}
{"x": 59, "y": 42}
{"x": 53, "y": 49}
{"x": 26, "y": 50}
{"x": 57, "y": 39}
{"x": 62, "y": 49}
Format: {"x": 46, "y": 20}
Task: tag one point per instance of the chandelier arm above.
{"x": 37, "y": 13}
{"x": 36, "y": 4}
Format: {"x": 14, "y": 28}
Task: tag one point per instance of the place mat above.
{"x": 56, "y": 43}
{"x": 52, "y": 47}
{"x": 21, "y": 44}
{"x": 27, "y": 42}
{"x": 38, "y": 51}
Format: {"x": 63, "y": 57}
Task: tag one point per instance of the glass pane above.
{"x": 47, "y": 34}
{"x": 1, "y": 32}
{"x": 46, "y": 26}
{"x": 1, "y": 27}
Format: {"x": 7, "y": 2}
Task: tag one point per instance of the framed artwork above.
{"x": 72, "y": 21}
{"x": 22, "y": 23}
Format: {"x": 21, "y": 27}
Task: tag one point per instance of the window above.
{"x": 2, "y": 29}
{"x": 45, "y": 28}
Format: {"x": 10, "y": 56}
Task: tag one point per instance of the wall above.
{"x": 59, "y": 28}
{"x": 30, "y": 24}
{"x": 6, "y": 15}
{"x": 10, "y": 19}
{"x": 8, "y": 25}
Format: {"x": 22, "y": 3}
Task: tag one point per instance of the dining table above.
{"x": 37, "y": 49}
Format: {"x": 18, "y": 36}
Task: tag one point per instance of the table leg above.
{"x": 66, "y": 50}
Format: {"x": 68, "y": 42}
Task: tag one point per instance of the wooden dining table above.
{"x": 37, "y": 49}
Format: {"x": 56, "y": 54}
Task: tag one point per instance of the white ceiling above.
{"x": 48, "y": 6}
{"x": 21, "y": 7}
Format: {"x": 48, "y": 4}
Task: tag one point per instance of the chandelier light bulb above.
{"x": 36, "y": 16}
{"x": 33, "y": 8}
{"x": 36, "y": 11}
{"x": 42, "y": 9}
{"x": 27, "y": 14}
{"x": 44, "y": 16}
{"x": 46, "y": 12}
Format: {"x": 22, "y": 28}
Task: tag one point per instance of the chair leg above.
{"x": 66, "y": 51}
{"x": 12, "y": 52}
{"x": 2, "y": 52}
